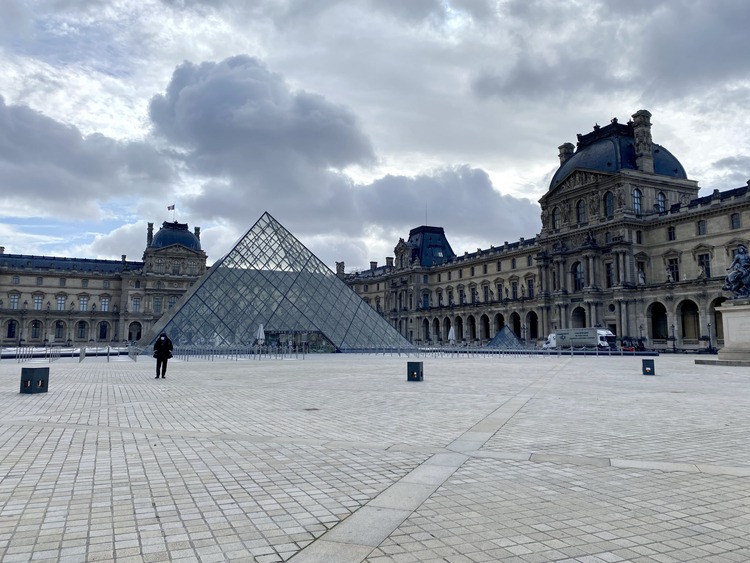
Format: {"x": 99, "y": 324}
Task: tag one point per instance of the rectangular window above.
{"x": 484, "y": 268}
{"x": 365, "y": 288}
{"x": 40, "y": 280}
{"x": 472, "y": 271}
{"x": 105, "y": 284}
{"x": 157, "y": 305}
{"x": 176, "y": 268}
{"x": 82, "y": 330}
{"x": 16, "y": 280}
{"x": 486, "y": 293}
{"x": 499, "y": 265}
{"x": 104, "y": 303}
{"x": 38, "y": 302}
{"x": 425, "y": 279}
{"x": 530, "y": 284}
{"x": 14, "y": 301}
{"x": 136, "y": 304}
{"x": 102, "y": 331}
{"x": 639, "y": 237}
{"x": 439, "y": 276}
{"x": 62, "y": 282}
{"x": 609, "y": 272}
{"x": 172, "y": 301}
{"x": 449, "y": 276}
{"x": 529, "y": 260}
{"x": 84, "y": 283}
{"x": 734, "y": 221}
{"x": 192, "y": 268}
{"x": 461, "y": 273}
{"x": 670, "y": 233}
{"x": 59, "y": 326}
{"x": 60, "y": 302}
{"x": 700, "y": 228}
{"x": 673, "y": 269}
{"x": 514, "y": 288}
{"x": 83, "y": 303}
{"x": 704, "y": 266}
{"x": 512, "y": 263}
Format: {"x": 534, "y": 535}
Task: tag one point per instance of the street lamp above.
{"x": 674, "y": 345}
{"x": 710, "y": 348}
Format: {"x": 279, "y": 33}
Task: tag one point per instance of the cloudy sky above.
{"x": 350, "y": 121}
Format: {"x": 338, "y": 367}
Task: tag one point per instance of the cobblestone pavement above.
{"x": 337, "y": 458}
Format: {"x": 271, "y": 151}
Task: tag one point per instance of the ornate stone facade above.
{"x": 71, "y": 301}
{"x": 626, "y": 243}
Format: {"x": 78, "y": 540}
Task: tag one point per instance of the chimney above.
{"x": 566, "y": 151}
{"x": 644, "y": 156}
{"x": 389, "y": 261}
{"x": 340, "y": 269}
{"x": 150, "y": 235}
{"x": 373, "y": 266}
{"x": 2, "y": 250}
{"x": 197, "y": 231}
{"x": 123, "y": 258}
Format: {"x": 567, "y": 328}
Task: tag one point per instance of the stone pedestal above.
{"x": 735, "y": 315}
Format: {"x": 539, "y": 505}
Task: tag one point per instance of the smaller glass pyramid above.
{"x": 506, "y": 339}
{"x": 269, "y": 278}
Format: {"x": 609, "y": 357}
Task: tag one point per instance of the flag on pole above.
{"x": 170, "y": 207}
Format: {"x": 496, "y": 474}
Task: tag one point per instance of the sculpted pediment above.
{"x": 579, "y": 178}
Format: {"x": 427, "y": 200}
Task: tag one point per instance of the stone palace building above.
{"x": 72, "y": 301}
{"x": 626, "y": 243}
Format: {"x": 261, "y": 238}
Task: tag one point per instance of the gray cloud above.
{"x": 270, "y": 148}
{"x": 49, "y": 168}
{"x": 236, "y": 115}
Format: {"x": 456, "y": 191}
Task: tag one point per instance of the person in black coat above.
{"x": 162, "y": 353}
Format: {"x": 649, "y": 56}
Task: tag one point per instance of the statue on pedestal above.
{"x": 738, "y": 278}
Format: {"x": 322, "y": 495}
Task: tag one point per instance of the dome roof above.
{"x": 612, "y": 148}
{"x": 175, "y": 233}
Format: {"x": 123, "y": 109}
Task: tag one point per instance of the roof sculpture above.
{"x": 270, "y": 278}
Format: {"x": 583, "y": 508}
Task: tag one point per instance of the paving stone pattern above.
{"x": 338, "y": 458}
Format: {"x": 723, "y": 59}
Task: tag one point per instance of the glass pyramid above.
{"x": 269, "y": 278}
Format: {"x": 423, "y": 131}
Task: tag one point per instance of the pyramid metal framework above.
{"x": 270, "y": 278}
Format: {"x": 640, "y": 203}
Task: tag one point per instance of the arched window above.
{"x": 609, "y": 204}
{"x": 637, "y": 196}
{"x": 102, "y": 331}
{"x": 581, "y": 211}
{"x": 556, "y": 218}
{"x": 578, "y": 279}
{"x": 661, "y": 202}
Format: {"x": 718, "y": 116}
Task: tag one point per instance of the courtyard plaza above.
{"x": 338, "y": 458}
